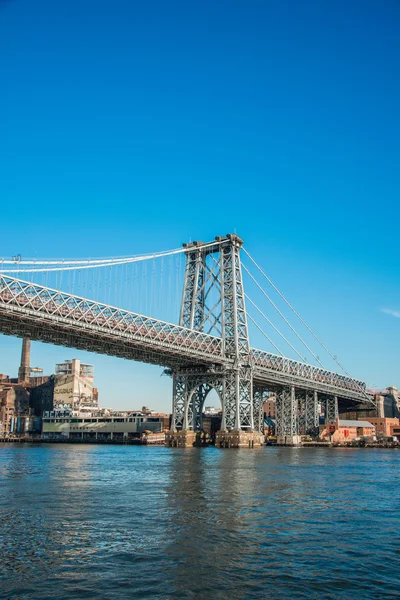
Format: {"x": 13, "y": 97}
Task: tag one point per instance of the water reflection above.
{"x": 208, "y": 495}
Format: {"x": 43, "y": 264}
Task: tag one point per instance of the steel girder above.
{"x": 190, "y": 389}
{"x": 297, "y": 411}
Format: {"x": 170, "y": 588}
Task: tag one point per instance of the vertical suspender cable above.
{"x": 296, "y": 313}
{"x": 283, "y": 317}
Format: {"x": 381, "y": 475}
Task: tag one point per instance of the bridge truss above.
{"x": 209, "y": 349}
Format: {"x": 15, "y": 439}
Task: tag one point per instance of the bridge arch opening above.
{"x": 204, "y": 410}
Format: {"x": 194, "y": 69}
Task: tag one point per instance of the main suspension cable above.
{"x": 67, "y": 265}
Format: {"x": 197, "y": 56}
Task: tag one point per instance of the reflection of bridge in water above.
{"x": 209, "y": 349}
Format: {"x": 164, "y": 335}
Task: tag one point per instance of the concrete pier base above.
{"x": 238, "y": 439}
{"x": 184, "y": 438}
{"x": 288, "y": 440}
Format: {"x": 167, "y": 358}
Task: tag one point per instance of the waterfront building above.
{"x": 69, "y": 403}
{"x": 64, "y": 425}
{"x": 384, "y": 426}
{"x": 390, "y": 402}
{"x": 41, "y": 397}
{"x": 73, "y": 386}
{"x": 14, "y": 400}
{"x": 346, "y": 430}
{"x": 25, "y": 425}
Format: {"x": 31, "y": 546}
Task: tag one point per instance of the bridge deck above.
{"x": 40, "y": 313}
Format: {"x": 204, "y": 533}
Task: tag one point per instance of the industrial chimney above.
{"x": 24, "y": 371}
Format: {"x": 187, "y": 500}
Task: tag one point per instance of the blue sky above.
{"x": 132, "y": 127}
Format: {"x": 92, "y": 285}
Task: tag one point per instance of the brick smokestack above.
{"x": 24, "y": 371}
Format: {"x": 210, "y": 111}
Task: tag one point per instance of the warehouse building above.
{"x": 343, "y": 430}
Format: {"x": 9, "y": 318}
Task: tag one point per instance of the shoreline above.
{"x": 141, "y": 442}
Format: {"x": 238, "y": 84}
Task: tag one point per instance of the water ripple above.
{"x": 82, "y": 522}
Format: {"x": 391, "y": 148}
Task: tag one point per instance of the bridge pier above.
{"x": 191, "y": 385}
{"x": 184, "y": 438}
{"x": 238, "y": 439}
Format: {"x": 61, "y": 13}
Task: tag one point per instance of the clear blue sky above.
{"x": 128, "y": 127}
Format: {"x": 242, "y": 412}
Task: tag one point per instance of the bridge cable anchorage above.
{"x": 302, "y": 320}
{"x": 285, "y": 319}
{"x": 276, "y": 329}
{"x": 67, "y": 265}
{"x": 264, "y": 334}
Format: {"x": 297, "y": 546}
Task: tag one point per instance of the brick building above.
{"x": 384, "y": 426}
{"x": 14, "y": 400}
{"x": 344, "y": 430}
{"x": 270, "y": 407}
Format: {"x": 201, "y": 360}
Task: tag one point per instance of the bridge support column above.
{"x": 331, "y": 409}
{"x": 260, "y": 395}
{"x": 219, "y": 278}
{"x": 287, "y": 417}
{"x": 311, "y": 413}
{"x": 178, "y": 402}
{"x": 235, "y": 389}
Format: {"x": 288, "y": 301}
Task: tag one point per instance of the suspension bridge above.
{"x": 209, "y": 345}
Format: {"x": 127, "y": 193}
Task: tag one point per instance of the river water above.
{"x": 116, "y": 522}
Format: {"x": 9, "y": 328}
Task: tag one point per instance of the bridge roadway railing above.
{"x": 280, "y": 370}
{"x": 55, "y": 307}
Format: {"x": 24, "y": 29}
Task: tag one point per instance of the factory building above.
{"x": 32, "y": 393}
{"x": 14, "y": 400}
{"x": 73, "y": 387}
{"x": 41, "y": 397}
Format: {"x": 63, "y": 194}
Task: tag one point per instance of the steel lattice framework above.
{"x": 227, "y": 314}
{"x": 208, "y": 349}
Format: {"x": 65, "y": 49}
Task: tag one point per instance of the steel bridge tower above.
{"x": 213, "y": 302}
